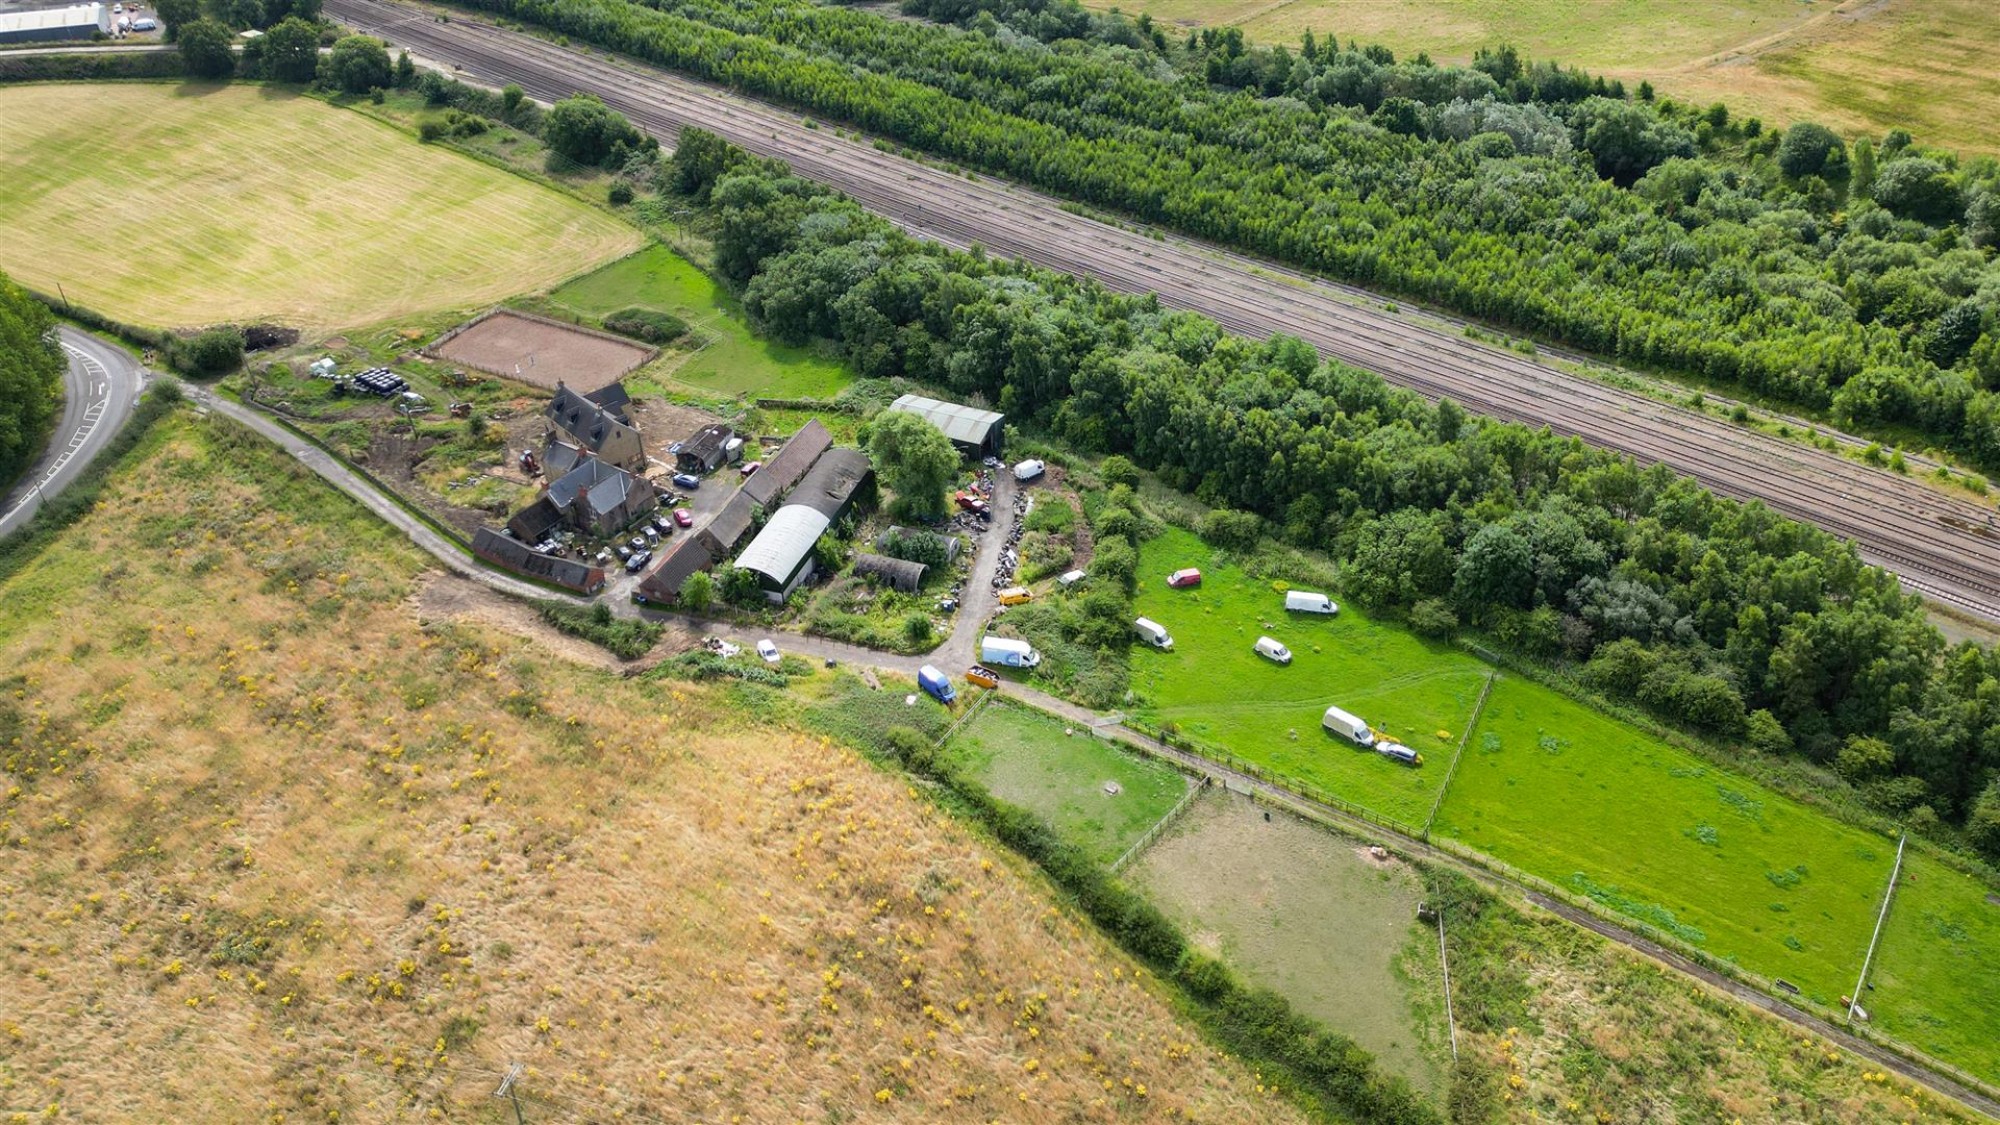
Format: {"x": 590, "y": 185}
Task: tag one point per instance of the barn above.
{"x": 901, "y": 574}
{"x": 49, "y": 25}
{"x": 781, "y": 556}
{"x": 975, "y": 432}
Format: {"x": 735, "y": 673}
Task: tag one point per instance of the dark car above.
{"x": 638, "y": 561}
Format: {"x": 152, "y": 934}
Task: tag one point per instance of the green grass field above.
{"x": 734, "y": 361}
{"x": 1301, "y": 911}
{"x": 1023, "y": 757}
{"x": 1653, "y": 832}
{"x": 1221, "y": 692}
{"x": 183, "y": 205}
{"x": 1937, "y": 974}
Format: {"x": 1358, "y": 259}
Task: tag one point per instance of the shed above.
{"x": 533, "y": 523}
{"x": 840, "y": 479}
{"x": 976, "y": 432}
{"x": 728, "y": 526}
{"x": 706, "y": 450}
{"x": 509, "y": 554}
{"x": 47, "y": 25}
{"x": 789, "y": 464}
{"x": 900, "y": 574}
{"x": 676, "y": 566}
{"x": 782, "y": 554}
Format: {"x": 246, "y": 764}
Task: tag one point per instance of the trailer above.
{"x": 1349, "y": 727}
{"x": 1153, "y": 633}
{"x": 1306, "y": 601}
{"x": 1008, "y": 651}
{"x": 936, "y": 685}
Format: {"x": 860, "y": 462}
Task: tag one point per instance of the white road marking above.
{"x": 92, "y": 414}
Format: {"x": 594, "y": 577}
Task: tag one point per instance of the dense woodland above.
{"x": 1720, "y": 616}
{"x": 31, "y": 370}
{"x": 1532, "y": 196}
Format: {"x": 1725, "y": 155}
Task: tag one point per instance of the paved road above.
{"x": 100, "y": 389}
{"x": 956, "y": 650}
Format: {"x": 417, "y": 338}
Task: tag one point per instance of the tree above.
{"x": 357, "y": 64}
{"x": 1627, "y": 140}
{"x": 1982, "y": 218}
{"x": 1917, "y": 187}
{"x": 916, "y": 461}
{"x": 206, "y": 49}
{"x": 406, "y": 71}
{"x": 698, "y": 592}
{"x": 176, "y": 14}
{"x": 1982, "y": 826}
{"x": 1861, "y": 177}
{"x": 1497, "y": 570}
{"x": 31, "y": 371}
{"x": 277, "y": 11}
{"x": 291, "y": 51}
{"x": 583, "y": 129}
{"x": 511, "y": 97}
{"x": 217, "y": 351}
{"x": 1806, "y": 149}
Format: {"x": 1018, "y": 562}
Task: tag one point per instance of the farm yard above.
{"x": 727, "y": 359}
{"x": 1215, "y": 689}
{"x": 1306, "y": 913}
{"x": 1064, "y": 776}
{"x": 176, "y": 206}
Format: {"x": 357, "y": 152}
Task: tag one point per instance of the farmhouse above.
{"x": 516, "y": 556}
{"x": 784, "y": 468}
{"x": 78, "y": 21}
{"x": 707, "y": 450}
{"x": 593, "y": 497}
{"x": 901, "y": 574}
{"x": 975, "y": 432}
{"x": 782, "y": 554}
{"x": 602, "y": 431}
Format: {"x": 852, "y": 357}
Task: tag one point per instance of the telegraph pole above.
{"x": 507, "y": 1091}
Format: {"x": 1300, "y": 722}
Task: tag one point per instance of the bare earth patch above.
{"x": 541, "y": 352}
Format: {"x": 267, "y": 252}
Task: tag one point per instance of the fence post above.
{"x": 1463, "y": 738}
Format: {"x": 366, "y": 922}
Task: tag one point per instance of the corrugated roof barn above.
{"x": 900, "y": 574}
{"x": 976, "y": 432}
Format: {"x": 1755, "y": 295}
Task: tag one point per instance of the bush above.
{"x": 619, "y": 194}
{"x": 923, "y": 547}
{"x": 1433, "y": 617}
{"x": 646, "y": 324}
{"x": 917, "y": 628}
{"x": 698, "y": 592}
{"x": 627, "y": 640}
{"x": 217, "y": 351}
{"x": 1236, "y": 530}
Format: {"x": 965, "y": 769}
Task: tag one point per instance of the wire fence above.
{"x": 1159, "y": 826}
{"x": 1451, "y": 770}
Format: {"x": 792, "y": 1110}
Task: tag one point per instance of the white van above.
{"x": 1028, "y": 470}
{"x": 1153, "y": 633}
{"x": 1348, "y": 727}
{"x": 1271, "y": 650}
{"x": 1305, "y": 601}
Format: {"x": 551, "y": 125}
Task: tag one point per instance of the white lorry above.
{"x": 1306, "y": 601}
{"x": 1153, "y": 633}
{"x": 1008, "y": 651}
{"x": 1349, "y": 727}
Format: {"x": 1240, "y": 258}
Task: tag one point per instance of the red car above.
{"x": 750, "y": 467}
{"x": 683, "y": 517}
{"x": 969, "y": 502}
{"x": 1182, "y": 579}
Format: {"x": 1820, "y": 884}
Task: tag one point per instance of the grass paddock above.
{"x": 185, "y": 205}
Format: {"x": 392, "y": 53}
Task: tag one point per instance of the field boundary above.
{"x": 1161, "y": 825}
{"x": 1881, "y": 916}
{"x": 1452, "y": 770}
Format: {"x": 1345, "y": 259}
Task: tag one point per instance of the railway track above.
{"x": 1938, "y": 545}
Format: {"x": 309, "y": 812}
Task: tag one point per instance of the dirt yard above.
{"x": 543, "y": 352}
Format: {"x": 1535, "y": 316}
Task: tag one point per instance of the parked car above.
{"x": 145, "y": 23}
{"x": 1015, "y": 595}
{"x": 768, "y": 651}
{"x": 984, "y": 677}
{"x": 624, "y": 552}
{"x": 683, "y": 517}
{"x": 750, "y": 467}
{"x": 638, "y": 561}
{"x": 687, "y": 480}
{"x": 664, "y": 521}
{"x": 637, "y": 542}
{"x": 1185, "y": 578}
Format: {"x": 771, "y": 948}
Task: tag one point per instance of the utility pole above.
{"x": 507, "y": 1091}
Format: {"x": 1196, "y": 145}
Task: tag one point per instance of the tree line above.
{"x": 31, "y": 371}
{"x": 1720, "y": 616}
{"x": 1528, "y": 195}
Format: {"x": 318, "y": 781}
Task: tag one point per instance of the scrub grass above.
{"x": 1213, "y": 687}
{"x": 729, "y": 358}
{"x": 1026, "y": 758}
{"x": 271, "y": 849}
{"x": 184, "y": 205}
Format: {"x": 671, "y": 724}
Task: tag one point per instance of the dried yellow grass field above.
{"x": 272, "y": 849}
{"x": 186, "y": 205}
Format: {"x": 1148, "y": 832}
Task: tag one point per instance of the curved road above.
{"x": 1938, "y": 544}
{"x": 99, "y": 391}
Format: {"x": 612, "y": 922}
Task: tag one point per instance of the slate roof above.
{"x": 586, "y": 421}
{"x": 675, "y": 567}
{"x": 560, "y": 457}
{"x": 784, "y": 468}
{"x": 731, "y": 524}
{"x": 600, "y": 487}
{"x": 535, "y": 521}
{"x": 614, "y": 400}
{"x": 831, "y": 484}
{"x": 515, "y": 556}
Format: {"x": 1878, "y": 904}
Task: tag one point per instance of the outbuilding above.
{"x": 781, "y": 556}
{"x": 975, "y": 432}
{"x": 902, "y": 575}
{"x": 839, "y": 480}
{"x": 51, "y": 25}
{"x": 707, "y": 450}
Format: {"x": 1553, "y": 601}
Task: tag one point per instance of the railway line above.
{"x": 1946, "y": 548}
